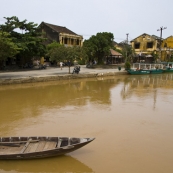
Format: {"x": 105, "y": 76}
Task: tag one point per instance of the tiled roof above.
{"x": 60, "y": 29}
{"x": 156, "y": 37}
{"x": 115, "y": 43}
{"x": 115, "y": 53}
{"x": 144, "y": 34}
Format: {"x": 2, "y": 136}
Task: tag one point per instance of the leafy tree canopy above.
{"x": 58, "y": 52}
{"x": 7, "y": 47}
{"x": 127, "y": 51}
{"x": 29, "y": 40}
{"x": 98, "y": 46}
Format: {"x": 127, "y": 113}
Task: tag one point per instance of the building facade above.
{"x": 61, "y": 35}
{"x": 167, "y": 48}
{"x": 145, "y": 44}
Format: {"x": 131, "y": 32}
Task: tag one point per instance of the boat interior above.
{"x": 16, "y": 145}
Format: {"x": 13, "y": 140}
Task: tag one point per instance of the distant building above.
{"x": 145, "y": 43}
{"x": 114, "y": 57}
{"x": 61, "y": 35}
{"x": 167, "y": 48}
{"x": 120, "y": 46}
{"x": 144, "y": 46}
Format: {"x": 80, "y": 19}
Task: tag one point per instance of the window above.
{"x": 72, "y": 41}
{"x": 149, "y": 45}
{"x": 137, "y": 45}
{"x": 77, "y": 42}
{"x": 65, "y": 41}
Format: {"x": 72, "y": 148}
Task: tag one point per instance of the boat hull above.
{"x": 156, "y": 71}
{"x": 144, "y": 72}
{"x": 168, "y": 70}
{"x": 39, "y": 147}
{"x": 138, "y": 72}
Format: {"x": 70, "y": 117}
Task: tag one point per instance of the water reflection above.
{"x": 135, "y": 112}
{"x": 145, "y": 84}
{"x": 19, "y": 102}
{"x": 58, "y": 164}
{"x": 34, "y": 96}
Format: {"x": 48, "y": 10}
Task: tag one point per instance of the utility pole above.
{"x": 126, "y": 46}
{"x": 127, "y": 37}
{"x": 160, "y": 47}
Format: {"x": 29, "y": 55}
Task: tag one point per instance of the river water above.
{"x": 131, "y": 118}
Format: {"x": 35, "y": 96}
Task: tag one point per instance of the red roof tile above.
{"x": 115, "y": 53}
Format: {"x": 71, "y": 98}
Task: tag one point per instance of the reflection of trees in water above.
{"x": 59, "y": 164}
{"x": 58, "y": 94}
{"x": 25, "y": 101}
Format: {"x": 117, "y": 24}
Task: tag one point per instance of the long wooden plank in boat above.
{"x": 10, "y": 144}
{"x": 26, "y": 145}
{"x": 41, "y": 146}
{"x": 14, "y": 150}
{"x": 33, "y": 147}
{"x": 18, "y": 142}
{"x": 28, "y": 148}
{"x": 10, "y": 150}
{"x": 50, "y": 145}
{"x": 59, "y": 143}
{"x": 3, "y": 149}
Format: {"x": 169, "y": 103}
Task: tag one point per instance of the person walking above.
{"x": 61, "y": 64}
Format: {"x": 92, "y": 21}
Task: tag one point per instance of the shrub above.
{"x": 127, "y": 65}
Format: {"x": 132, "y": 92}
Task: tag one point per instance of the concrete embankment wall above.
{"x": 57, "y": 77}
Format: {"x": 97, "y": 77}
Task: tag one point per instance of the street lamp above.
{"x": 161, "y": 29}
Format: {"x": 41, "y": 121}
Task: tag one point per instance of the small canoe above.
{"x": 39, "y": 147}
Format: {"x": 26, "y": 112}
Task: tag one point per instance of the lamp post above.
{"x": 161, "y": 29}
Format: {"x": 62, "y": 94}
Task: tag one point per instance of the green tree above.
{"x": 98, "y": 46}
{"x": 127, "y": 52}
{"x": 73, "y": 54}
{"x": 7, "y": 47}
{"x": 29, "y": 40}
{"x": 58, "y": 52}
{"x": 155, "y": 55}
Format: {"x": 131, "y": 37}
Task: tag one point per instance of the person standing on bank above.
{"x": 61, "y": 64}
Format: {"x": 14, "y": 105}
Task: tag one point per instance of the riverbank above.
{"x": 54, "y": 74}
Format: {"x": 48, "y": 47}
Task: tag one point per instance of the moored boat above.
{"x": 168, "y": 67}
{"x": 138, "y": 72}
{"x": 39, "y": 147}
{"x": 156, "y": 71}
{"x": 141, "y": 69}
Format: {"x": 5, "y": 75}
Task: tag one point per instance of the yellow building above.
{"x": 167, "y": 48}
{"x": 118, "y": 46}
{"x": 61, "y": 35}
{"x": 145, "y": 44}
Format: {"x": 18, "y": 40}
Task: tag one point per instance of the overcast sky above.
{"x": 88, "y": 17}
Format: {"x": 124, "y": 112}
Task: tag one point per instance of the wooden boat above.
{"x": 39, "y": 147}
{"x": 143, "y": 68}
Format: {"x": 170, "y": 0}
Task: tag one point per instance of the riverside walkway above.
{"x": 55, "y": 73}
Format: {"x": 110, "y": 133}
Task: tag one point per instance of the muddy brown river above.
{"x": 131, "y": 118}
